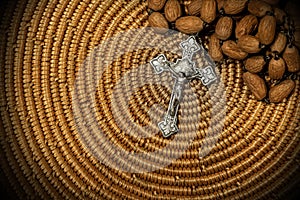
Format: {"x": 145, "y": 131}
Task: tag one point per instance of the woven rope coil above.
{"x": 43, "y": 45}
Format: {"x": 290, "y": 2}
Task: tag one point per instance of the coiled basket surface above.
{"x": 44, "y": 44}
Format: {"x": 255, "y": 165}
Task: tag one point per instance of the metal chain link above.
{"x": 290, "y": 30}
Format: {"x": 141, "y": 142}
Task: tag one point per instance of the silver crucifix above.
{"x": 183, "y": 70}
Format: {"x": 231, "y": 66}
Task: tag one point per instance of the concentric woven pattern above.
{"x": 44, "y": 156}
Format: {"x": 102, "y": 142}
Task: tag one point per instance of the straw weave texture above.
{"x": 43, "y": 45}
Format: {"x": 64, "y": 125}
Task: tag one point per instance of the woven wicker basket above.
{"x": 43, "y": 45}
